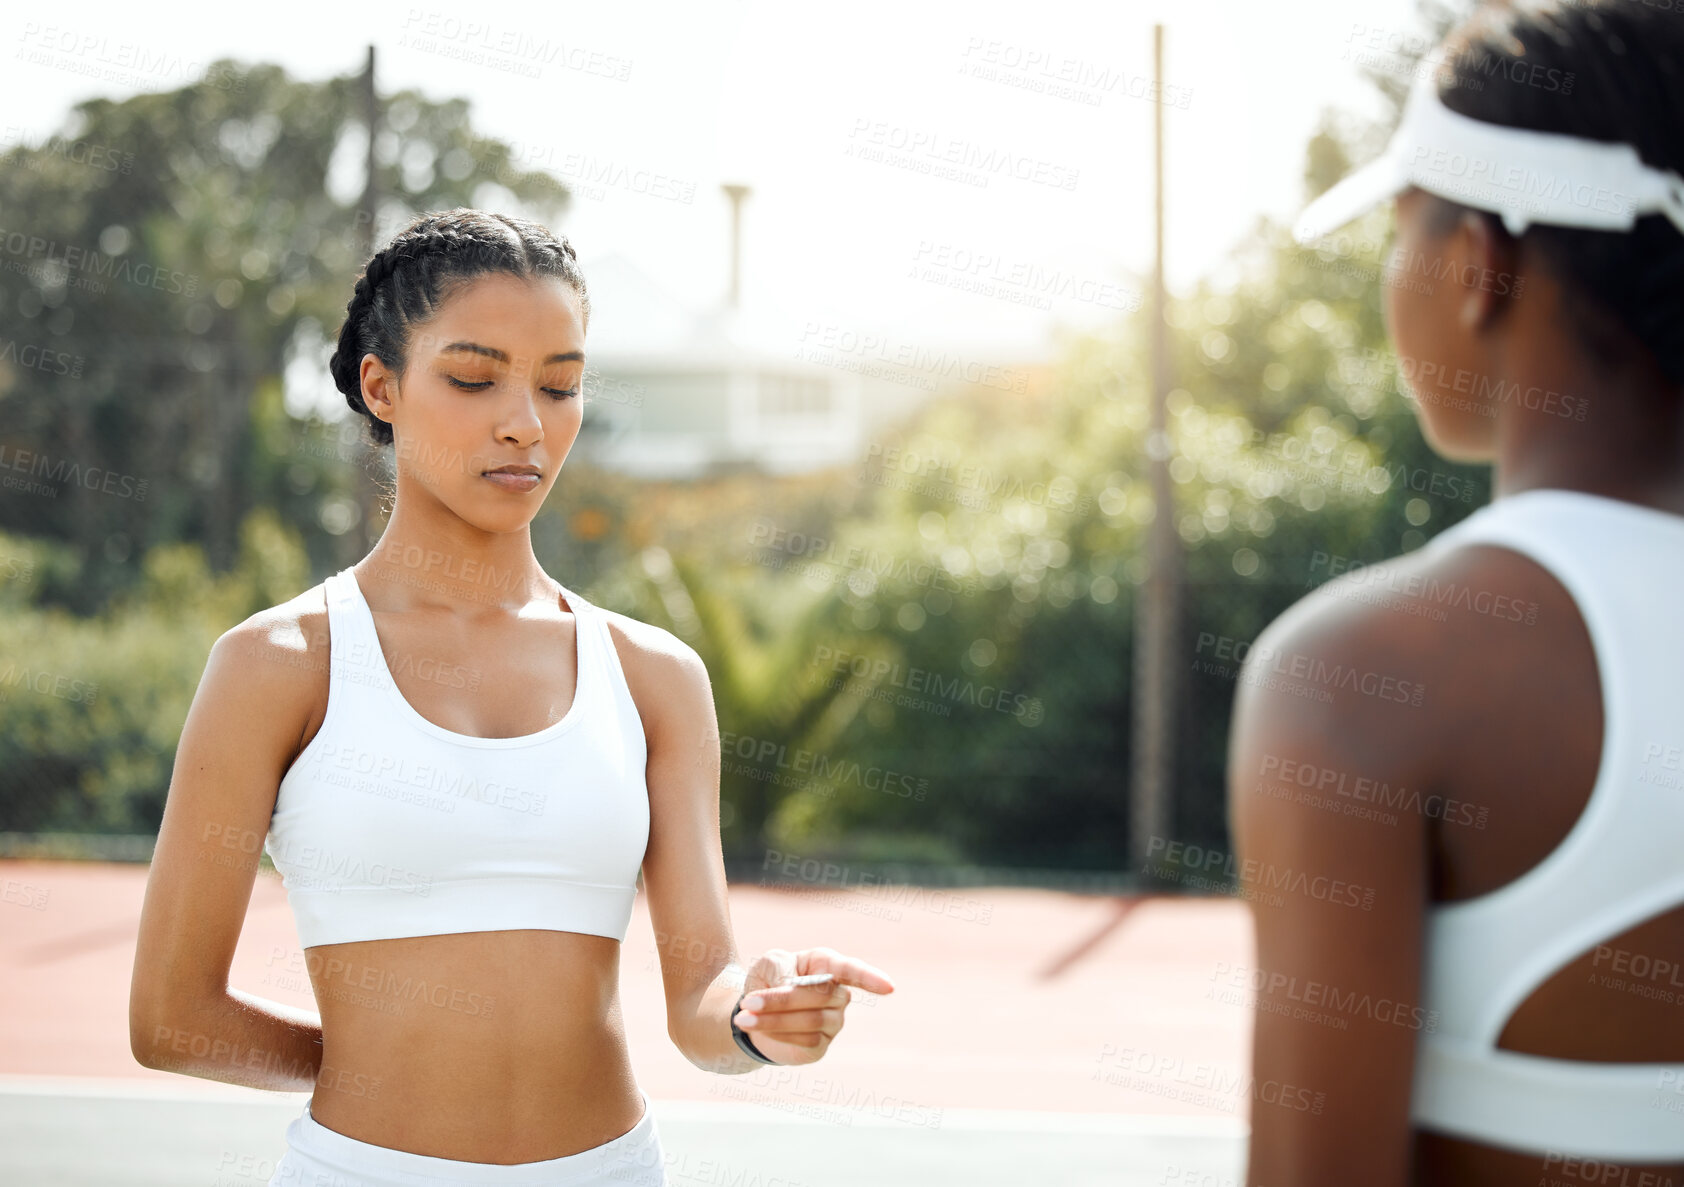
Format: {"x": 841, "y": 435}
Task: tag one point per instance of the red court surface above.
{"x": 1007, "y": 998}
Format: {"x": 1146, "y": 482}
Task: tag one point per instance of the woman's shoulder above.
{"x": 283, "y": 649}
{"x": 664, "y": 674}
{"x": 644, "y": 643}
{"x": 1407, "y": 656}
{"x": 1433, "y": 604}
{"x": 265, "y": 680}
{"x": 296, "y": 626}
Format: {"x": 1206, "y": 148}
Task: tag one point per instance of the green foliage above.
{"x": 160, "y": 299}
{"x": 928, "y": 658}
{"x": 960, "y": 618}
{"x": 91, "y": 709}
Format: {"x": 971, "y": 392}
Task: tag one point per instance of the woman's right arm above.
{"x": 242, "y": 730}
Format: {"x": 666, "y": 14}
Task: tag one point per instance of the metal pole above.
{"x": 736, "y": 193}
{"x": 1155, "y": 620}
{"x": 368, "y": 495}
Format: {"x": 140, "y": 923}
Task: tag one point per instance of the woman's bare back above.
{"x": 1529, "y": 758}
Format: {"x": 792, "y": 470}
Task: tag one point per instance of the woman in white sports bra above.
{"x": 460, "y": 768}
{"x": 1468, "y": 856}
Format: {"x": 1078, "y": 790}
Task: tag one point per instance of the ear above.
{"x": 1486, "y": 279}
{"x": 379, "y": 386}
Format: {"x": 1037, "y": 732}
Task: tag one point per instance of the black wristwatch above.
{"x": 740, "y": 1036}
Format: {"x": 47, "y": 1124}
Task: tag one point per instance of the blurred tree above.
{"x": 964, "y": 627}
{"x": 152, "y": 305}
{"x": 91, "y": 708}
{"x": 1296, "y": 454}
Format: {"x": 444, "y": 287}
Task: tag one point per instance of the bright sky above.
{"x": 841, "y": 116}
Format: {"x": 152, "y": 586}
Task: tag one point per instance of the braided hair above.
{"x": 1609, "y": 70}
{"x": 405, "y": 282}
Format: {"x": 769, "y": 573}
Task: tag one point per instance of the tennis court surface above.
{"x": 1035, "y": 1036}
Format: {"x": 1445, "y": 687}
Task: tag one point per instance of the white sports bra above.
{"x": 388, "y": 825}
{"x": 1620, "y": 864}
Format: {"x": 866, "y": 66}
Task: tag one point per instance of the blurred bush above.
{"x": 91, "y": 709}
{"x": 926, "y": 657}
{"x": 929, "y": 657}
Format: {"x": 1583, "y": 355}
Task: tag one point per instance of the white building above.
{"x": 673, "y": 392}
{"x": 677, "y": 392}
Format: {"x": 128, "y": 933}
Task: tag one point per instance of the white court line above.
{"x": 199, "y": 1090}
{"x": 134, "y": 1088}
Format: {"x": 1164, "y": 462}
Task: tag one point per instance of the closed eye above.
{"x": 481, "y": 385}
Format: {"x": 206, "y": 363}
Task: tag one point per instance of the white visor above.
{"x": 1525, "y": 176}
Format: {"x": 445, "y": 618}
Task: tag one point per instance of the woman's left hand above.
{"x": 796, "y": 1023}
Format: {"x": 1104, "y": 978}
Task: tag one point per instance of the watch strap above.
{"x": 740, "y": 1036}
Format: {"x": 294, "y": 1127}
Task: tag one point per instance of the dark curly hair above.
{"x": 1610, "y": 70}
{"x": 405, "y": 282}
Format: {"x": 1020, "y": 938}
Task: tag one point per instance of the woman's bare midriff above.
{"x": 491, "y": 1046}
{"x": 499, "y": 1047}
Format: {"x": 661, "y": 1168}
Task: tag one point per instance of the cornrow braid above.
{"x": 404, "y": 283}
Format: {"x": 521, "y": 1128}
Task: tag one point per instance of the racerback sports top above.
{"x": 1621, "y": 863}
{"x": 388, "y": 825}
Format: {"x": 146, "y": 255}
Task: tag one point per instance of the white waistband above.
{"x": 338, "y": 915}
{"x": 1630, "y": 1112}
{"x": 633, "y": 1157}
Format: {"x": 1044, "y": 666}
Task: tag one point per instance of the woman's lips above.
{"x": 515, "y": 482}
